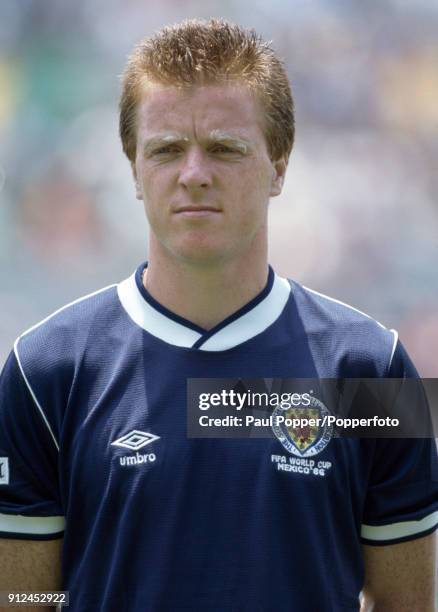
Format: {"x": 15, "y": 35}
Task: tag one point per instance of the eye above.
{"x": 227, "y": 150}
{"x": 219, "y": 148}
{"x": 164, "y": 150}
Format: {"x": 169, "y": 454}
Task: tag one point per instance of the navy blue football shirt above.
{"x": 93, "y": 447}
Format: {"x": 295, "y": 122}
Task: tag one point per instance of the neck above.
{"x": 205, "y": 295}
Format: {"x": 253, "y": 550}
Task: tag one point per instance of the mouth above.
{"x": 197, "y": 211}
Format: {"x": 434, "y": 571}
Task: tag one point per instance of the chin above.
{"x": 201, "y": 254}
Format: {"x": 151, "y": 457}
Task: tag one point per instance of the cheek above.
{"x": 144, "y": 181}
{"x": 259, "y": 177}
{"x": 253, "y": 192}
{"x": 152, "y": 185}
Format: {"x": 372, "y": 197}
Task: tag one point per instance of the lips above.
{"x": 197, "y": 211}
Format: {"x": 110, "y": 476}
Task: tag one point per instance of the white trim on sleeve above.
{"x": 395, "y": 531}
{"x": 31, "y": 525}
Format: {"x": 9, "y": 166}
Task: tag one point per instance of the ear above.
{"x": 138, "y": 193}
{"x": 279, "y": 172}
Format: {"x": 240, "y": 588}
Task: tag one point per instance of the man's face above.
{"x": 203, "y": 171}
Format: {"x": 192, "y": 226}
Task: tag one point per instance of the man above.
{"x": 93, "y": 399}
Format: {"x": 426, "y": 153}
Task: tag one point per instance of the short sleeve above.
{"x": 402, "y": 497}
{"x": 30, "y": 505}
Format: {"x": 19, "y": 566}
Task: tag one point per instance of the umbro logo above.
{"x": 135, "y": 439}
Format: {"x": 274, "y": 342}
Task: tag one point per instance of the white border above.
{"x": 254, "y": 322}
{"x": 32, "y": 525}
{"x": 150, "y": 319}
{"x": 399, "y": 530}
{"x": 250, "y": 324}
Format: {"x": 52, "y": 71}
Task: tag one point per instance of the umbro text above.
{"x": 137, "y": 458}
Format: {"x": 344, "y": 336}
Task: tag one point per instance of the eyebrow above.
{"x": 216, "y": 136}
{"x": 227, "y": 138}
{"x": 160, "y": 139}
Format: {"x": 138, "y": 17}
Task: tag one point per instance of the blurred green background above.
{"x": 358, "y": 218}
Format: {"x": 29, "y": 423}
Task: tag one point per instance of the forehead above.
{"x": 198, "y": 109}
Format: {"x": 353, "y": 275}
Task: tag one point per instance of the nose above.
{"x": 195, "y": 172}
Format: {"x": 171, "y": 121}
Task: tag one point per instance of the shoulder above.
{"x": 65, "y": 353}
{"x": 63, "y": 334}
{"x": 354, "y": 342}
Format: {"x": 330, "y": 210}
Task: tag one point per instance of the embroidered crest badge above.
{"x": 304, "y": 431}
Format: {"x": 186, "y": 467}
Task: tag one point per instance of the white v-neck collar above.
{"x": 247, "y": 322}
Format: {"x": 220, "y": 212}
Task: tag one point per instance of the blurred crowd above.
{"x": 358, "y": 219}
